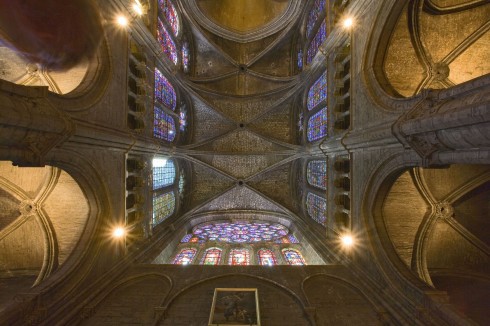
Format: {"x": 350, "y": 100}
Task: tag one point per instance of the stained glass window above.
{"x": 316, "y": 11}
{"x": 293, "y": 257}
{"x": 186, "y": 238}
{"x": 163, "y": 172}
{"x": 317, "y": 125}
{"x": 320, "y": 37}
{"x": 239, "y": 257}
{"x": 164, "y": 91}
{"x": 185, "y": 256}
{"x": 163, "y": 125}
{"x": 317, "y": 174}
{"x": 185, "y": 56}
{"x": 163, "y": 206}
{"x": 300, "y": 59}
{"x": 170, "y": 14}
{"x": 292, "y": 239}
{"x": 317, "y": 92}
{"x": 266, "y": 257}
{"x": 240, "y": 232}
{"x": 317, "y": 207}
{"x": 166, "y": 42}
{"x": 212, "y": 256}
{"x": 182, "y": 120}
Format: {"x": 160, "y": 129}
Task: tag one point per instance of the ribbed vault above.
{"x": 243, "y": 93}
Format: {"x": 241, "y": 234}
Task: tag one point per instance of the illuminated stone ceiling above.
{"x": 244, "y": 138}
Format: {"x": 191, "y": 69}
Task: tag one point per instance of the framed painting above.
{"x": 235, "y": 306}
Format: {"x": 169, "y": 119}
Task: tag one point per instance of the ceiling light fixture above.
{"x": 118, "y": 232}
{"x": 348, "y": 23}
{"x": 122, "y": 21}
{"x": 347, "y": 240}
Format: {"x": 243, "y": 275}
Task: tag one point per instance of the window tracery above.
{"x": 164, "y": 125}
{"x": 317, "y": 174}
{"x": 239, "y": 257}
{"x": 317, "y": 207}
{"x": 266, "y": 257}
{"x": 317, "y": 92}
{"x": 215, "y": 241}
{"x": 316, "y": 12}
{"x": 212, "y": 256}
{"x": 166, "y": 42}
{"x": 185, "y": 256}
{"x": 163, "y": 206}
{"x": 293, "y": 257}
{"x": 320, "y": 37}
{"x": 317, "y": 125}
{"x": 240, "y": 232}
{"x": 163, "y": 173}
{"x": 170, "y": 12}
{"x": 164, "y": 91}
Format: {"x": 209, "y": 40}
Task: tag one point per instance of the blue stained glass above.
{"x": 170, "y": 14}
{"x": 317, "y": 174}
{"x": 163, "y": 206}
{"x": 320, "y": 37}
{"x": 182, "y": 120}
{"x": 163, "y": 125}
{"x": 300, "y": 59}
{"x": 186, "y": 238}
{"x": 317, "y": 208}
{"x": 317, "y": 92}
{"x": 292, "y": 239}
{"x": 266, "y": 257}
{"x": 317, "y": 125}
{"x": 185, "y": 56}
{"x": 166, "y": 42}
{"x": 163, "y": 173}
{"x": 293, "y": 257}
{"x": 240, "y": 232}
{"x": 164, "y": 91}
{"x": 185, "y": 256}
{"x": 316, "y": 11}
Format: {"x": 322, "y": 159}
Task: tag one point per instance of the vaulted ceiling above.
{"x": 243, "y": 94}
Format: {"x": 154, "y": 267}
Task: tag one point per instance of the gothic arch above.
{"x": 417, "y": 45}
{"x": 203, "y": 289}
{"x": 94, "y": 84}
{"x": 124, "y": 293}
{"x": 336, "y": 298}
{"x": 425, "y": 220}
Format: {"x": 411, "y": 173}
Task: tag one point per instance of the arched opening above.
{"x": 432, "y": 44}
{"x": 44, "y": 214}
{"x": 436, "y": 223}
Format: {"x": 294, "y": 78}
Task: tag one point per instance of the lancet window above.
{"x": 185, "y": 256}
{"x": 317, "y": 125}
{"x": 317, "y": 174}
{"x": 317, "y": 207}
{"x": 293, "y": 257}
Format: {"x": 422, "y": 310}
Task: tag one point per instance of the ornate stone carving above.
{"x": 444, "y": 210}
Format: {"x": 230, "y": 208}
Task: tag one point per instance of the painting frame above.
{"x": 235, "y": 307}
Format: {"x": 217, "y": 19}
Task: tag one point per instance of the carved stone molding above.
{"x": 455, "y": 120}
{"x": 444, "y": 210}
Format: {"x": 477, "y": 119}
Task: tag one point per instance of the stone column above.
{"x": 449, "y": 126}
